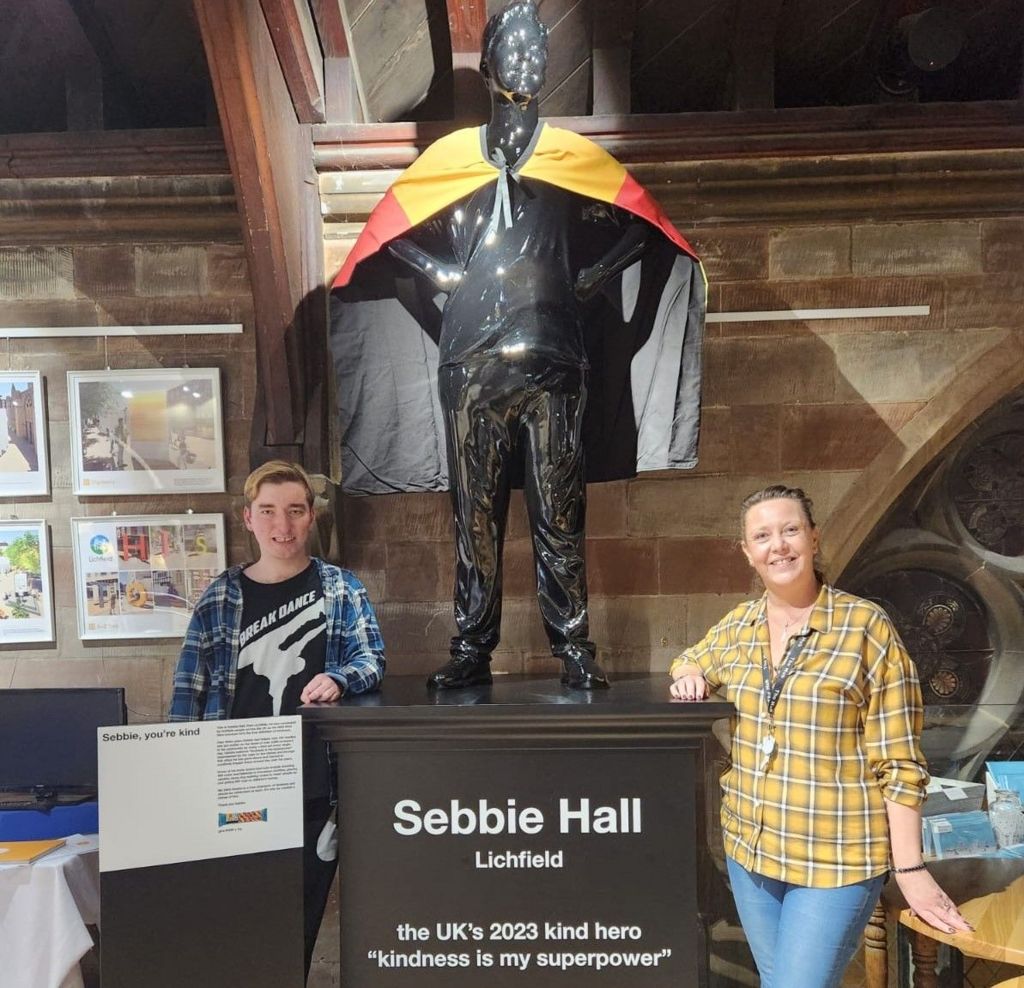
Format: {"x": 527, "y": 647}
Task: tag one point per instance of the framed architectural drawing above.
{"x": 24, "y": 471}
{"x": 26, "y": 590}
{"x": 139, "y": 576}
{"x": 146, "y": 431}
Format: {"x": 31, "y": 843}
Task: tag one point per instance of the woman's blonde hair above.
{"x": 774, "y": 492}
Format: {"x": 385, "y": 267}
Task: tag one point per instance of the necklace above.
{"x": 796, "y": 620}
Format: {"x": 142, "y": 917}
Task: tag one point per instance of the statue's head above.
{"x": 515, "y": 51}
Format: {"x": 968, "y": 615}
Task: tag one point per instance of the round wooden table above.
{"x": 990, "y": 895}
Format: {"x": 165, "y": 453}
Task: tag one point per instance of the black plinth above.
{"x": 518, "y": 834}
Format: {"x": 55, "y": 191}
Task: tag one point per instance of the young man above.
{"x": 285, "y": 630}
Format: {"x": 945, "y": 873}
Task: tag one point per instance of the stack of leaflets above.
{"x": 958, "y": 835}
{"x": 27, "y": 851}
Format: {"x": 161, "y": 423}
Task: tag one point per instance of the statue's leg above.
{"x": 556, "y": 500}
{"x": 477, "y": 412}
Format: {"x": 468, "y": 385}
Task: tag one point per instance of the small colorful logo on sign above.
{"x": 246, "y": 816}
{"x": 100, "y": 546}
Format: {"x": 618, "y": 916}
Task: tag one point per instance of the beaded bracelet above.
{"x": 904, "y": 871}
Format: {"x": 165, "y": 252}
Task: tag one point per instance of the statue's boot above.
{"x": 460, "y": 671}
{"x": 581, "y": 671}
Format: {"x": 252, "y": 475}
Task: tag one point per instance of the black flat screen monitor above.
{"x": 48, "y": 737}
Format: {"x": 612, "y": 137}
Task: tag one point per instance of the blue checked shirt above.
{"x": 204, "y": 681}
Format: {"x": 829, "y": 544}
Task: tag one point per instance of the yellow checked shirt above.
{"x": 847, "y": 726}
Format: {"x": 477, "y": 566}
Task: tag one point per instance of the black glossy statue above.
{"x": 512, "y": 264}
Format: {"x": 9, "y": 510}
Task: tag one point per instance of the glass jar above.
{"x": 1007, "y": 816}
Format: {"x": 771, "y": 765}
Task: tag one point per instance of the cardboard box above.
{"x": 952, "y": 796}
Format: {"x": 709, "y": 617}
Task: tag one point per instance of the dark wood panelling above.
{"x": 614, "y": 23}
{"x": 819, "y": 39}
{"x": 401, "y": 54}
{"x": 156, "y": 57}
{"x": 681, "y": 55}
{"x": 119, "y": 91}
{"x": 753, "y": 54}
{"x": 32, "y": 97}
{"x": 83, "y": 88}
{"x": 570, "y": 47}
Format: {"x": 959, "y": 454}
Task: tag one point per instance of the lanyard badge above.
{"x": 773, "y": 689}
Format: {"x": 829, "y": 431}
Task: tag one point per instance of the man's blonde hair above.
{"x": 276, "y": 472}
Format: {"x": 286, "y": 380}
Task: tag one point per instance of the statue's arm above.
{"x": 441, "y": 275}
{"x": 625, "y": 252}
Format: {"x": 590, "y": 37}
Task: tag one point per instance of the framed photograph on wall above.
{"x": 24, "y": 471}
{"x": 139, "y": 576}
{"x": 146, "y": 431}
{"x": 26, "y": 589}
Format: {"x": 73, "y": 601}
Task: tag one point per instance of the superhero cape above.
{"x": 643, "y": 332}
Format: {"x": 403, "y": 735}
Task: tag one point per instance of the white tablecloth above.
{"x": 44, "y": 909}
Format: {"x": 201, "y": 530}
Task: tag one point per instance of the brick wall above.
{"x": 850, "y": 409}
{"x": 121, "y": 252}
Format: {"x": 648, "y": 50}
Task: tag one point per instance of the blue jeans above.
{"x": 801, "y": 937}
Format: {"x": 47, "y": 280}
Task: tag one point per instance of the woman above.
{"x": 824, "y": 792}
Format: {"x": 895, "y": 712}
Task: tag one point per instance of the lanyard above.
{"x": 773, "y": 690}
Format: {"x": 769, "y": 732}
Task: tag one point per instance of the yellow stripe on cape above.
{"x": 451, "y": 168}
{"x": 454, "y": 167}
{"x": 575, "y": 163}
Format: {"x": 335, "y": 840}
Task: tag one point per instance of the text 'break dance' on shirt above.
{"x": 282, "y": 646}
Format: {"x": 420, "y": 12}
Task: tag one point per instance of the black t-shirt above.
{"x": 282, "y": 646}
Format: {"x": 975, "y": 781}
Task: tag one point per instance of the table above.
{"x": 989, "y": 893}
{"x": 45, "y": 908}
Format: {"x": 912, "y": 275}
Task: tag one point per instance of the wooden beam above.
{"x": 298, "y": 50}
{"x": 466, "y": 20}
{"x": 340, "y": 93}
{"x": 329, "y": 25}
{"x": 340, "y": 96}
{"x": 753, "y": 54}
{"x": 105, "y": 209}
{"x": 665, "y": 137}
{"x": 772, "y": 190}
{"x": 184, "y": 151}
{"x": 614, "y": 21}
{"x": 229, "y": 52}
